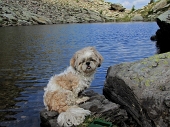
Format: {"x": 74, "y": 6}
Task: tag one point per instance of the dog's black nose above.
{"x": 87, "y": 63}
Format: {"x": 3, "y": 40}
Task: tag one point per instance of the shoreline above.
{"x": 26, "y": 13}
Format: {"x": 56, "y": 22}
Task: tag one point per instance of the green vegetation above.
{"x": 133, "y": 8}
{"x": 101, "y": 11}
{"x": 168, "y": 1}
{"x": 90, "y": 119}
{"x": 126, "y": 18}
{"x": 87, "y": 121}
{"x": 152, "y": 1}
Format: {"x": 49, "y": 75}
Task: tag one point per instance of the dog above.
{"x": 62, "y": 91}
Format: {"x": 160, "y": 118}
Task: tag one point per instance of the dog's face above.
{"x": 86, "y": 60}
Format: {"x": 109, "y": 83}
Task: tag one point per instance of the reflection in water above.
{"x": 8, "y": 92}
{"x": 8, "y": 75}
{"x": 30, "y": 55}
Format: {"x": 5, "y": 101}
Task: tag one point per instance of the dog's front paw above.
{"x": 82, "y": 100}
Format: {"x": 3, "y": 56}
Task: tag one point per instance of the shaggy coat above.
{"x": 61, "y": 93}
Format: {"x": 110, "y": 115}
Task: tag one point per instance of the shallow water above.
{"x": 30, "y": 55}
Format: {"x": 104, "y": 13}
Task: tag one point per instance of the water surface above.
{"x": 30, "y": 55}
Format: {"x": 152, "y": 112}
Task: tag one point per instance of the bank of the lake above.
{"x": 33, "y": 12}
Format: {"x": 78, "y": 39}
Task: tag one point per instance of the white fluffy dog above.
{"x": 61, "y": 93}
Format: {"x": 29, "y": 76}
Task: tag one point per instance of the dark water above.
{"x": 30, "y": 55}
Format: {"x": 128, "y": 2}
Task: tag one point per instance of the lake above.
{"x": 30, "y": 55}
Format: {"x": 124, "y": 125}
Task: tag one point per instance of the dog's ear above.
{"x": 72, "y": 61}
{"x": 100, "y": 59}
{"x": 99, "y": 56}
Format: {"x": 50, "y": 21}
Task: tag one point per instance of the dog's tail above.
{"x": 73, "y": 116}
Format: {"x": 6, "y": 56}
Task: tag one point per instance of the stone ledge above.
{"x": 98, "y": 105}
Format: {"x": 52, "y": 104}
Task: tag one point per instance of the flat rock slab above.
{"x": 98, "y": 105}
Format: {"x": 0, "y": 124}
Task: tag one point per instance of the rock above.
{"x": 110, "y": 19}
{"x": 40, "y": 20}
{"x": 162, "y": 34}
{"x": 137, "y": 17}
{"x": 23, "y": 23}
{"x": 153, "y": 38}
{"x": 117, "y": 7}
{"x": 99, "y": 107}
{"x": 1, "y": 19}
{"x": 71, "y": 19}
{"x": 6, "y": 10}
{"x": 159, "y": 5}
{"x": 143, "y": 89}
{"x": 26, "y": 15}
{"x": 9, "y": 17}
{"x": 167, "y": 101}
{"x": 163, "y": 20}
{"x": 95, "y": 16}
{"x": 48, "y": 118}
{"x": 46, "y": 12}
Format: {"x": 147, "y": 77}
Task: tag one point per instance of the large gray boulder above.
{"x": 143, "y": 89}
{"x": 117, "y": 7}
{"x": 137, "y": 17}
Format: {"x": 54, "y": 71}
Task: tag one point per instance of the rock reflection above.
{"x": 8, "y": 93}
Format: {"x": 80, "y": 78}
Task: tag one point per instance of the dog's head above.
{"x": 86, "y": 60}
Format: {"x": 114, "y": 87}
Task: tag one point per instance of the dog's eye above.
{"x": 82, "y": 61}
{"x": 92, "y": 59}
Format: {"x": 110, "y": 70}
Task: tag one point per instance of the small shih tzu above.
{"x": 61, "y": 93}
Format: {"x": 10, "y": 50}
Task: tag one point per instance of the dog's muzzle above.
{"x": 88, "y": 65}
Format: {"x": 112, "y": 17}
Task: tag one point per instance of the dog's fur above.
{"x": 61, "y": 93}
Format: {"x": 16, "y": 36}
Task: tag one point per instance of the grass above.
{"x": 90, "y": 119}
{"x": 126, "y": 18}
{"x": 87, "y": 121}
{"x": 168, "y": 1}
